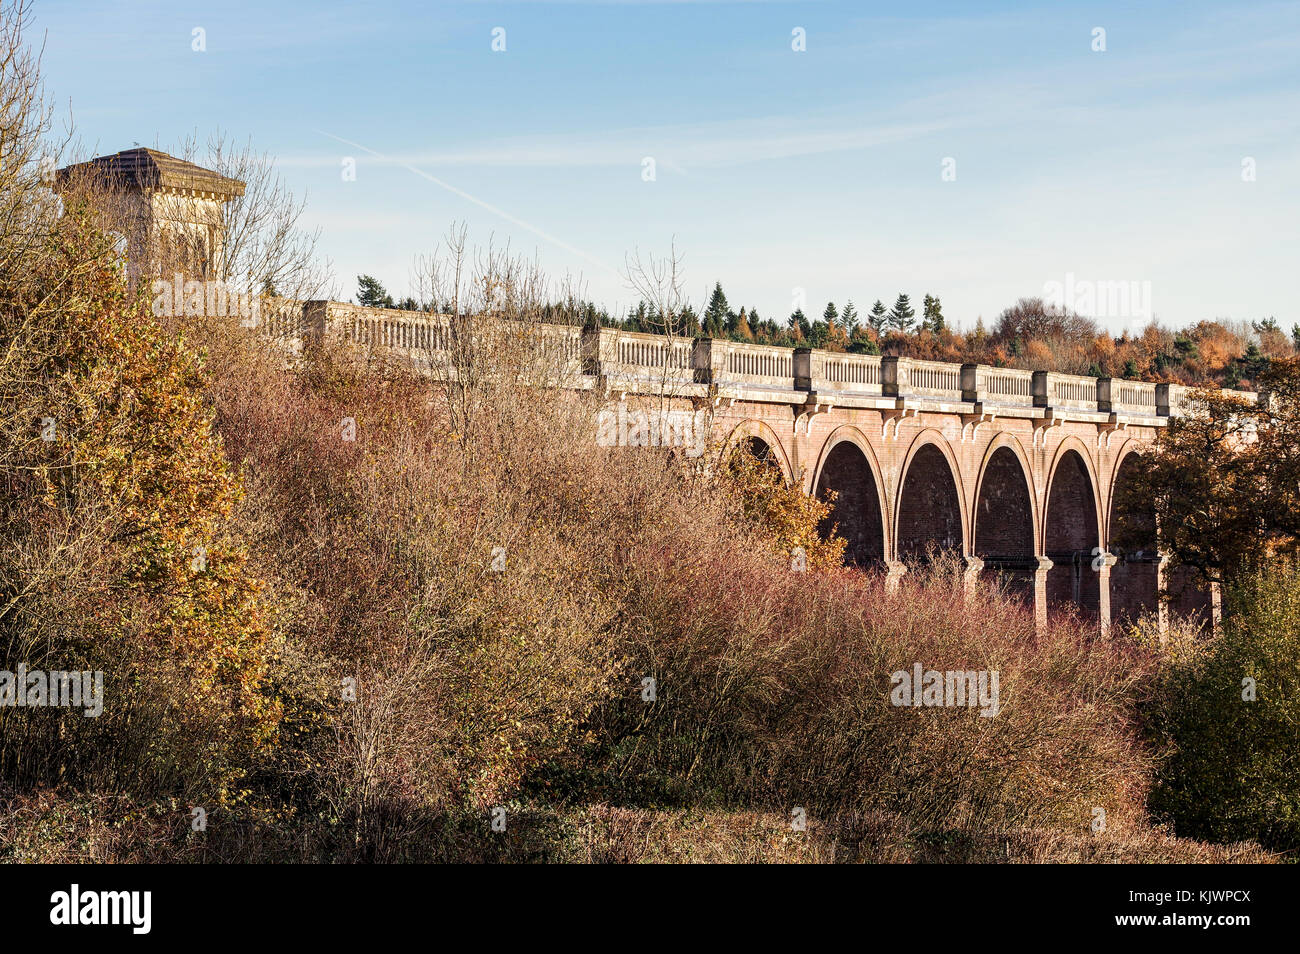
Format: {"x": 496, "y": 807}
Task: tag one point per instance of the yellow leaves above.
{"x": 138, "y": 469}
{"x": 784, "y": 514}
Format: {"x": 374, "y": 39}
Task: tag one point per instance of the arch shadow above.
{"x": 1072, "y": 533}
{"x": 848, "y": 468}
{"x": 929, "y": 510}
{"x": 1005, "y": 518}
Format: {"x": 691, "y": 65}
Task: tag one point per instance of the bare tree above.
{"x": 658, "y": 282}
{"x": 493, "y": 337}
{"x": 266, "y": 250}
{"x": 28, "y": 153}
{"x": 1033, "y": 318}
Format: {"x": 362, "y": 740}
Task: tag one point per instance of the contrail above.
{"x": 479, "y": 202}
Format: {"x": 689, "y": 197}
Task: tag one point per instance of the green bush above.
{"x": 1228, "y": 712}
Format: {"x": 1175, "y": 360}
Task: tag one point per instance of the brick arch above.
{"x": 1008, "y": 444}
{"x": 848, "y": 465}
{"x": 1071, "y": 444}
{"x": 1136, "y": 578}
{"x": 758, "y": 430}
{"x": 1127, "y": 452}
{"x": 1072, "y": 528}
{"x": 1005, "y": 518}
{"x": 929, "y": 505}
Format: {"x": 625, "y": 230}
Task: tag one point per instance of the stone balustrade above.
{"x": 999, "y": 387}
{"x": 1072, "y": 391}
{"x": 639, "y": 362}
{"x": 1126, "y": 397}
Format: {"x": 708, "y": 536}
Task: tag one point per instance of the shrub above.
{"x": 115, "y": 546}
{"x": 1227, "y": 712}
{"x": 773, "y": 690}
{"x": 781, "y": 513}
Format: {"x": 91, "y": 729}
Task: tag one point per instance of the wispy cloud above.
{"x": 674, "y": 147}
{"x": 486, "y": 206}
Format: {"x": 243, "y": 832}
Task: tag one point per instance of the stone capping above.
{"x": 615, "y": 355}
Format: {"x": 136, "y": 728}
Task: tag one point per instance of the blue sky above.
{"x": 775, "y": 170}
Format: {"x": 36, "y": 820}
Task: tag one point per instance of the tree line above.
{"x": 1030, "y": 334}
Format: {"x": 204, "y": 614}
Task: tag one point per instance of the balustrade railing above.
{"x": 637, "y": 357}
{"x": 1000, "y": 386}
{"x": 903, "y": 377}
{"x": 741, "y": 363}
{"x": 1065, "y": 390}
{"x": 1126, "y": 397}
{"x": 839, "y": 373}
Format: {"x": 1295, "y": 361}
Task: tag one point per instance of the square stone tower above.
{"x": 172, "y": 211}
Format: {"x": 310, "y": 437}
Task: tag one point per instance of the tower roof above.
{"x": 148, "y": 170}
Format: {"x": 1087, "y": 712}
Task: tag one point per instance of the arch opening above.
{"x": 759, "y": 450}
{"x": 929, "y": 508}
{"x": 1135, "y": 578}
{"x": 1004, "y": 524}
{"x": 753, "y": 443}
{"x": 1138, "y": 577}
{"x": 1070, "y": 541}
{"x": 855, "y": 512}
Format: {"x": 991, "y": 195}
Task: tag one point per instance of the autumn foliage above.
{"x": 788, "y": 519}
{"x": 1223, "y": 480}
{"x": 116, "y": 552}
{"x": 357, "y": 612}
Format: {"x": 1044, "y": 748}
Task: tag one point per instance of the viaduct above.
{"x": 1020, "y": 472}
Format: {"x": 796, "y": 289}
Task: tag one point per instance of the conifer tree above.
{"x": 800, "y": 329}
{"x": 849, "y": 318}
{"x": 716, "y": 314}
{"x": 688, "y": 323}
{"x": 878, "y": 318}
{"x": 371, "y": 293}
{"x": 902, "y": 317}
{"x": 742, "y": 330}
{"x": 932, "y": 314}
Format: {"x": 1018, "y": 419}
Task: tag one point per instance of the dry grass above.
{"x": 50, "y": 828}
